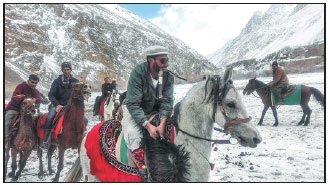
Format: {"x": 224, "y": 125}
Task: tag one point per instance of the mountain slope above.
{"x": 280, "y": 26}
{"x": 97, "y": 41}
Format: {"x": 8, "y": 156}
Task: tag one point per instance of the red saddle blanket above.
{"x": 56, "y": 130}
{"x": 101, "y": 149}
{"x": 99, "y": 165}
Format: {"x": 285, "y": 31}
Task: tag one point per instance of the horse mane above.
{"x": 166, "y": 161}
{"x": 175, "y": 117}
{"x": 260, "y": 83}
{"x": 217, "y": 89}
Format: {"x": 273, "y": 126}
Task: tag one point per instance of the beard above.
{"x": 155, "y": 71}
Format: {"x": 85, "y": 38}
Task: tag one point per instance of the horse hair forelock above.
{"x": 217, "y": 89}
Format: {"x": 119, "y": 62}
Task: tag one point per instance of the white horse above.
{"x": 109, "y": 106}
{"x": 215, "y": 100}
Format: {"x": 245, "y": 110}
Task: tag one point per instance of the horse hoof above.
{"x": 51, "y": 172}
{"x": 306, "y": 124}
{"x": 11, "y": 175}
{"x": 55, "y": 179}
{"x": 275, "y": 125}
{"x": 15, "y": 178}
{"x": 40, "y": 174}
{"x": 259, "y": 124}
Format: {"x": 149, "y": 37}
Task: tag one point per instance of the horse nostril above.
{"x": 256, "y": 140}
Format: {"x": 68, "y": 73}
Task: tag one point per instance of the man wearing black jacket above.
{"x": 106, "y": 89}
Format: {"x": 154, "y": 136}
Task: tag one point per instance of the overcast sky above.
{"x": 206, "y": 27}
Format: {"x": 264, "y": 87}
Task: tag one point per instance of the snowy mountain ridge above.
{"x": 282, "y": 25}
{"x": 97, "y": 41}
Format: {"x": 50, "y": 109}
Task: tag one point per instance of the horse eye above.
{"x": 231, "y": 105}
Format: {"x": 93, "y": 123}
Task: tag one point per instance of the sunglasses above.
{"x": 164, "y": 60}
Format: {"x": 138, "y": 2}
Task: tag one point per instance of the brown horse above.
{"x": 73, "y": 126}
{"x": 25, "y": 140}
{"x": 264, "y": 92}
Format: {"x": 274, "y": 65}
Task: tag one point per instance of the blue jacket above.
{"x": 59, "y": 93}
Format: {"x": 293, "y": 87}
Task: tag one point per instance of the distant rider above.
{"x": 280, "y": 81}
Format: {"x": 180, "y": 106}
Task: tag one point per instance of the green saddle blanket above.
{"x": 293, "y": 98}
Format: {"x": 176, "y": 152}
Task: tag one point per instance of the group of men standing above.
{"x": 146, "y": 93}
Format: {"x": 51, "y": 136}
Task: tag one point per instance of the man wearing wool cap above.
{"x": 147, "y": 94}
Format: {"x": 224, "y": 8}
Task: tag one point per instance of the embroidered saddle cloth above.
{"x": 114, "y": 152}
{"x": 291, "y": 97}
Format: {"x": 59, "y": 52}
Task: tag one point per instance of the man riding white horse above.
{"x": 145, "y": 94}
{"x": 106, "y": 90}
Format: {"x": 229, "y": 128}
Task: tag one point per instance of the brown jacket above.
{"x": 279, "y": 76}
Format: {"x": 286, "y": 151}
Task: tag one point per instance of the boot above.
{"x": 45, "y": 144}
{"x": 139, "y": 160}
{"x": 279, "y": 100}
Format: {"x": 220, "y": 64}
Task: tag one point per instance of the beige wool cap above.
{"x": 156, "y": 50}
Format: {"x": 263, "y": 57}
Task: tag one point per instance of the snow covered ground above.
{"x": 288, "y": 153}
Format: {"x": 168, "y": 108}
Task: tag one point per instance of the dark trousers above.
{"x": 51, "y": 115}
{"x": 96, "y": 106}
{"x": 277, "y": 89}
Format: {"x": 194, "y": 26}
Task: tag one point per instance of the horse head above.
{"x": 229, "y": 111}
{"x": 116, "y": 97}
{"x": 81, "y": 90}
{"x": 250, "y": 87}
{"x": 28, "y": 107}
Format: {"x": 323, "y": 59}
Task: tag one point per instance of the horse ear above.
{"x": 227, "y": 75}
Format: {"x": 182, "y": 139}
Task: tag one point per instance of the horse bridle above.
{"x": 229, "y": 122}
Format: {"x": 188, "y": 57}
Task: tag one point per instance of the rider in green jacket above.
{"x": 148, "y": 91}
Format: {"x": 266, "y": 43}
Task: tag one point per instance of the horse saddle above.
{"x": 114, "y": 149}
{"x": 56, "y": 123}
{"x": 288, "y": 90}
{"x": 291, "y": 95}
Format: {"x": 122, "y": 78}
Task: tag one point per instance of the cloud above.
{"x": 206, "y": 27}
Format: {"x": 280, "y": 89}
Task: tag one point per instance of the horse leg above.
{"x": 266, "y": 107}
{"x": 308, "y": 113}
{"x": 49, "y": 156}
{"x": 7, "y": 159}
{"x": 275, "y": 114}
{"x": 40, "y": 174}
{"x": 60, "y": 164}
{"x": 22, "y": 162}
{"x": 303, "y": 117}
{"x": 13, "y": 163}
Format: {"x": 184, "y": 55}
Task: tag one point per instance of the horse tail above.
{"x": 318, "y": 95}
{"x": 75, "y": 173}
